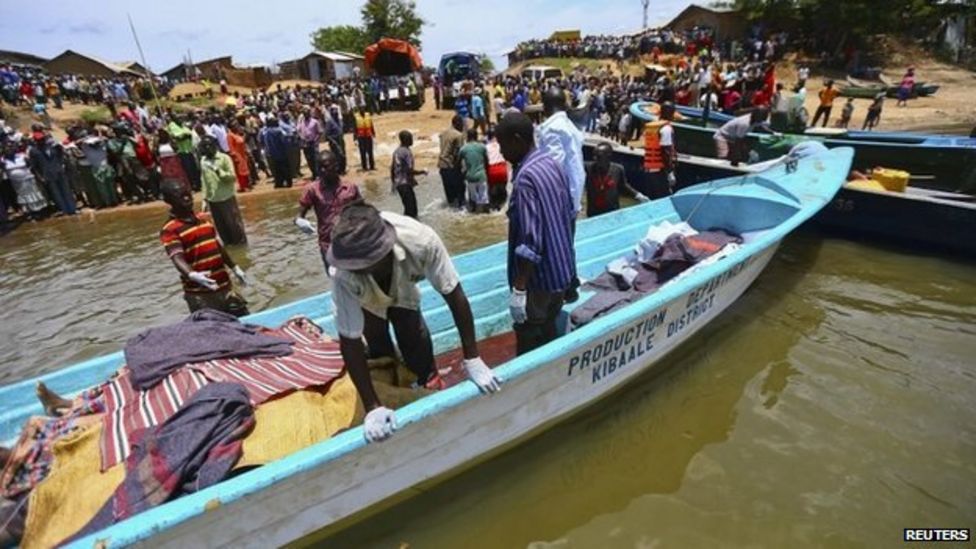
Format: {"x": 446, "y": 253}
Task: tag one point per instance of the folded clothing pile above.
{"x": 666, "y": 251}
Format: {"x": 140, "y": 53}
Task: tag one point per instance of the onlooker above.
{"x": 403, "y": 175}
{"x": 449, "y": 162}
{"x": 474, "y": 165}
{"x": 827, "y": 96}
{"x": 328, "y": 195}
{"x": 365, "y": 133}
{"x": 605, "y": 180}
{"x": 217, "y": 172}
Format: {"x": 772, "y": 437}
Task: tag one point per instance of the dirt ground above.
{"x": 950, "y": 111}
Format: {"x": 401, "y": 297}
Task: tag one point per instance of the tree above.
{"x": 340, "y": 38}
{"x": 392, "y": 19}
{"x": 486, "y": 64}
{"x": 831, "y": 25}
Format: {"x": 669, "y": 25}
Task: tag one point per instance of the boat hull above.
{"x": 945, "y": 163}
{"x": 938, "y": 225}
{"x": 918, "y": 218}
{"x": 941, "y": 168}
{"x": 585, "y": 370}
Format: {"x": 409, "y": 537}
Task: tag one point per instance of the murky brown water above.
{"x": 831, "y": 406}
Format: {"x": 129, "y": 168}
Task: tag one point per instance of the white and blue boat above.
{"x": 343, "y": 478}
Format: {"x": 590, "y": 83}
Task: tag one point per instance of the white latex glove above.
{"x": 516, "y": 306}
{"x": 481, "y": 375}
{"x": 305, "y": 225}
{"x": 379, "y": 424}
{"x": 642, "y": 198}
{"x": 241, "y": 275}
{"x": 203, "y": 279}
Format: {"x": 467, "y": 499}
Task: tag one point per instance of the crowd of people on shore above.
{"x": 619, "y": 47}
{"x": 102, "y": 165}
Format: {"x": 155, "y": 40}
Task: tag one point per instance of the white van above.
{"x": 541, "y": 72}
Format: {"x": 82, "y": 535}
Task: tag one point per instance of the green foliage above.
{"x": 830, "y": 24}
{"x": 340, "y": 38}
{"x": 98, "y": 115}
{"x": 381, "y": 19}
{"x": 486, "y": 64}
{"x": 392, "y": 19}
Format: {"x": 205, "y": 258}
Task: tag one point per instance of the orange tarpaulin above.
{"x": 392, "y": 57}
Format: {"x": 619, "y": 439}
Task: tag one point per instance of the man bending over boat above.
{"x": 732, "y": 139}
{"x": 379, "y": 259}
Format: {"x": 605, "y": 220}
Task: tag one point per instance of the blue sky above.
{"x": 273, "y": 31}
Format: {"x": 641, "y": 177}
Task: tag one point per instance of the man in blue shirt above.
{"x": 478, "y": 112}
{"x": 519, "y": 100}
{"x": 541, "y": 256}
{"x": 276, "y": 145}
{"x": 462, "y": 106}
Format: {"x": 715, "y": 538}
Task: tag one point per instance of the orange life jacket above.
{"x": 364, "y": 125}
{"x": 653, "y": 157}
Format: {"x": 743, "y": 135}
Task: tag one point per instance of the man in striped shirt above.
{"x": 541, "y": 257}
{"x": 192, "y": 245}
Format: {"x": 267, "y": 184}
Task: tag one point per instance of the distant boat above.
{"x": 945, "y": 163}
{"x": 453, "y": 429}
{"x": 919, "y": 218}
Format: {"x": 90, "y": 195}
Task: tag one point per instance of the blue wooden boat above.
{"x": 944, "y": 163}
{"x": 344, "y": 478}
{"x": 921, "y": 218}
{"x": 717, "y": 118}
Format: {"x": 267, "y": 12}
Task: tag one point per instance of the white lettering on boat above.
{"x": 615, "y": 352}
{"x": 701, "y": 299}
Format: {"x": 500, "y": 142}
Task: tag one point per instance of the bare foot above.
{"x": 54, "y": 405}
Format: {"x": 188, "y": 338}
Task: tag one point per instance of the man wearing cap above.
{"x": 379, "y": 258}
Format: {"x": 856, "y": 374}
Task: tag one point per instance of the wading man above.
{"x": 192, "y": 245}
{"x": 327, "y": 196}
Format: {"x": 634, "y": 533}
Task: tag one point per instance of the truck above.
{"x": 453, "y": 70}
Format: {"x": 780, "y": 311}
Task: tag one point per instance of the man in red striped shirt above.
{"x": 192, "y": 245}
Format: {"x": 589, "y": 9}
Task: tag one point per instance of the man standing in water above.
{"x": 327, "y": 196}
{"x": 379, "y": 258}
{"x": 217, "y": 173}
{"x": 192, "y": 245}
{"x": 541, "y": 215}
{"x": 449, "y": 162}
{"x": 605, "y": 181}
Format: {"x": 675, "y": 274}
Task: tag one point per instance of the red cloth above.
{"x": 497, "y": 174}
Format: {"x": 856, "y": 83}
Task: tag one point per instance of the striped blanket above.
{"x": 314, "y": 361}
